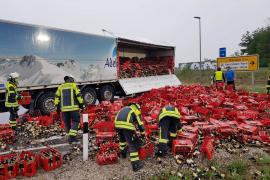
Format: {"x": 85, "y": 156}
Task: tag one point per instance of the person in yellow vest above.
{"x": 268, "y": 85}
{"x": 69, "y": 100}
{"x": 126, "y": 121}
{"x": 219, "y": 76}
{"x": 170, "y": 126}
{"x": 11, "y": 98}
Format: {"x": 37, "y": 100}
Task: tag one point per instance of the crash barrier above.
{"x": 26, "y": 163}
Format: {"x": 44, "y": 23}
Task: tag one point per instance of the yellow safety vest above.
{"x": 70, "y": 97}
{"x": 126, "y": 118}
{"x": 11, "y": 99}
{"x": 218, "y": 76}
{"x": 169, "y": 111}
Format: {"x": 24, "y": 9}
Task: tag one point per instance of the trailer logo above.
{"x": 110, "y": 63}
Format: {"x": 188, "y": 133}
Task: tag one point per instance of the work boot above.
{"x": 136, "y": 166}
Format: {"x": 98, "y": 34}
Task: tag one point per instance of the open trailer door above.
{"x": 143, "y": 84}
{"x": 144, "y": 66}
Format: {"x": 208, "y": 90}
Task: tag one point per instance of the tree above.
{"x": 257, "y": 42}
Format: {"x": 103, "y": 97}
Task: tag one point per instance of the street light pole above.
{"x": 200, "y": 42}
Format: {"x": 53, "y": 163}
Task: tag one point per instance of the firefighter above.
{"x": 170, "y": 126}
{"x": 126, "y": 121}
{"x": 268, "y": 85}
{"x": 12, "y": 97}
{"x": 68, "y": 99}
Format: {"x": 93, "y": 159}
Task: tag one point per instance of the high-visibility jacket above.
{"x": 127, "y": 118}
{"x": 268, "y": 83}
{"x": 219, "y": 75}
{"x": 169, "y": 111}
{"x": 12, "y": 95}
{"x": 68, "y": 97}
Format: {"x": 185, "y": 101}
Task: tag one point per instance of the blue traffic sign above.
{"x": 222, "y": 52}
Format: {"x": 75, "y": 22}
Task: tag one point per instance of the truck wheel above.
{"x": 107, "y": 93}
{"x": 46, "y": 103}
{"x": 89, "y": 95}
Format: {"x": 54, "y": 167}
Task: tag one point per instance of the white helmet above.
{"x": 14, "y": 77}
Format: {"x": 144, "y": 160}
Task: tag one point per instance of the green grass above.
{"x": 238, "y": 167}
{"x": 264, "y": 160}
{"x": 243, "y": 79}
{"x": 265, "y": 173}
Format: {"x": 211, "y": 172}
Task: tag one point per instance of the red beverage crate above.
{"x": 233, "y": 124}
{"x": 258, "y": 124}
{"x": 9, "y": 166}
{"x": 226, "y": 132}
{"x": 45, "y": 120}
{"x": 240, "y": 107}
{"x": 190, "y": 119}
{"x": 155, "y": 112}
{"x": 105, "y": 136}
{"x": 201, "y": 111}
{"x": 250, "y": 114}
{"x": 50, "y": 159}
{"x": 104, "y": 158}
{"x": 184, "y": 111}
{"x": 265, "y": 122}
{"x": 27, "y": 164}
{"x": 208, "y": 147}
{"x": 182, "y": 146}
{"x": 199, "y": 124}
{"x": 151, "y": 129}
{"x": 208, "y": 129}
{"x": 191, "y": 129}
{"x": 6, "y": 135}
{"x": 146, "y": 151}
{"x": 26, "y": 98}
{"x": 187, "y": 135}
{"x": 247, "y": 129}
{"x": 4, "y": 126}
{"x": 149, "y": 120}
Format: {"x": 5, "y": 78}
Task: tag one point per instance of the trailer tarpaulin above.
{"x": 142, "y": 84}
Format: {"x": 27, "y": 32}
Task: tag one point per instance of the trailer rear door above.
{"x": 142, "y": 84}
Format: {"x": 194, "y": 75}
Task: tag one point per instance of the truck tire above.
{"x": 107, "y": 93}
{"x": 46, "y": 103}
{"x": 89, "y": 95}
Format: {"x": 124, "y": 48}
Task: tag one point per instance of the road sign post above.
{"x": 222, "y": 52}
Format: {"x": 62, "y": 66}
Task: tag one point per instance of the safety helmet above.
{"x": 136, "y": 107}
{"x": 69, "y": 77}
{"x": 14, "y": 77}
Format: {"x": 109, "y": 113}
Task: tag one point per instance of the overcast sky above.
{"x": 223, "y": 21}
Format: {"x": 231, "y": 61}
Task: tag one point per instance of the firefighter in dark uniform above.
{"x": 169, "y": 124}
{"x": 126, "y": 121}
{"x": 12, "y": 97}
{"x": 268, "y": 85}
{"x": 68, "y": 99}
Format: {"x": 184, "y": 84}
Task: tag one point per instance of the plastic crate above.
{"x": 208, "y": 147}
{"x": 104, "y": 158}
{"x": 146, "y": 151}
{"x": 8, "y": 166}
{"x": 247, "y": 129}
{"x": 27, "y": 164}
{"x": 187, "y": 135}
{"x": 105, "y": 136}
{"x": 50, "y": 159}
{"x": 191, "y": 129}
{"x": 182, "y": 146}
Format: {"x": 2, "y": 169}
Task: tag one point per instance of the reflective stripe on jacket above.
{"x": 11, "y": 99}
{"x": 219, "y": 75}
{"x": 169, "y": 111}
{"x": 68, "y": 96}
{"x": 127, "y": 117}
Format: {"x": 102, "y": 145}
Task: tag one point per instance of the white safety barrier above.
{"x": 85, "y": 137}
